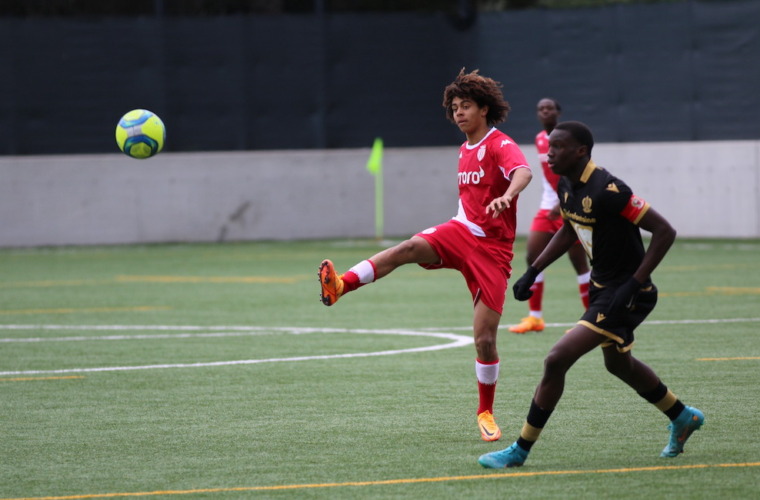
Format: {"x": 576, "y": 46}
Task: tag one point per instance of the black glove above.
{"x": 522, "y": 286}
{"x": 624, "y": 297}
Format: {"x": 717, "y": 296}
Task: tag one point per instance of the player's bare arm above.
{"x": 520, "y": 179}
{"x": 557, "y": 246}
{"x": 663, "y": 236}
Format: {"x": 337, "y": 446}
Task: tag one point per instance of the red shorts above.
{"x": 543, "y": 224}
{"x": 484, "y": 263}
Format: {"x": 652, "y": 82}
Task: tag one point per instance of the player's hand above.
{"x": 498, "y": 205}
{"x": 624, "y": 297}
{"x": 522, "y": 286}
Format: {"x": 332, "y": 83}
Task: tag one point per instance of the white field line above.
{"x": 645, "y": 324}
{"x": 264, "y": 330}
{"x": 160, "y": 336}
{"x": 230, "y": 331}
{"x": 456, "y": 341}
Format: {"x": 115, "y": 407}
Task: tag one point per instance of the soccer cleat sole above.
{"x": 325, "y": 279}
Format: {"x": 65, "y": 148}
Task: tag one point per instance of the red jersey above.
{"x": 485, "y": 170}
{"x": 549, "y": 196}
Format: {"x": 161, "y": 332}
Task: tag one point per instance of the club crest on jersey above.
{"x": 481, "y": 152}
{"x": 586, "y": 202}
{"x": 636, "y": 202}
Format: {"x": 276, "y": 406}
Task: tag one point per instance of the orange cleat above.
{"x": 528, "y": 324}
{"x": 489, "y": 431}
{"x": 332, "y": 284}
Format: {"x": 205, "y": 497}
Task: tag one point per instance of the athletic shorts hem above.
{"x": 616, "y": 339}
{"x": 609, "y": 343}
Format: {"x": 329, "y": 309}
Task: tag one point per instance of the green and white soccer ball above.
{"x": 140, "y": 134}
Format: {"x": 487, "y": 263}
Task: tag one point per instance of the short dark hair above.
{"x": 482, "y": 90}
{"x": 580, "y": 133}
{"x": 555, "y": 101}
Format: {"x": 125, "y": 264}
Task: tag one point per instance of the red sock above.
{"x": 486, "y": 393}
{"x": 583, "y": 288}
{"x": 487, "y": 375}
{"x": 534, "y": 302}
{"x": 350, "y": 282}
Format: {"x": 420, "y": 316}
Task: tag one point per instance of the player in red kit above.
{"x": 546, "y": 223}
{"x": 478, "y": 240}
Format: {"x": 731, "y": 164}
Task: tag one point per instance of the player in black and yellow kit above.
{"x": 601, "y": 211}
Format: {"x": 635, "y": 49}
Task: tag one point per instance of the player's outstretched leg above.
{"x": 681, "y": 428}
{"x": 332, "y": 284}
{"x": 514, "y": 456}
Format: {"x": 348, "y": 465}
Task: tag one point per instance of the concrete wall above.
{"x": 707, "y": 189}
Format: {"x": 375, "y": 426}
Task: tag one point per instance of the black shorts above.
{"x": 618, "y": 328}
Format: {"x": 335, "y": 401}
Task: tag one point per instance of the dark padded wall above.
{"x": 648, "y": 72}
{"x": 683, "y": 71}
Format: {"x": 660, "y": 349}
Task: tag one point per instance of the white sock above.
{"x": 365, "y": 271}
{"x": 487, "y": 374}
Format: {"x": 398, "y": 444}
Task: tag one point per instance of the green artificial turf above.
{"x": 214, "y": 371}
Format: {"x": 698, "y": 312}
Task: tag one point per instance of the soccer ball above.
{"x": 140, "y": 134}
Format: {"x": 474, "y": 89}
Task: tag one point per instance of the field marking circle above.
{"x": 220, "y": 331}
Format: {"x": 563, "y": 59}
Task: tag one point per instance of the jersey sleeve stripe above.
{"x": 635, "y": 209}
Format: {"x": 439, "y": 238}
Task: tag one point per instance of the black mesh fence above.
{"x": 303, "y": 79}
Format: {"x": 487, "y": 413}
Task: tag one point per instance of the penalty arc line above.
{"x": 391, "y": 482}
{"x": 457, "y": 341}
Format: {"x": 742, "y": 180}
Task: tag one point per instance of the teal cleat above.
{"x": 514, "y": 456}
{"x": 681, "y": 428}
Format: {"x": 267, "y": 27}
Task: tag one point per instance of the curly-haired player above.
{"x": 478, "y": 240}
